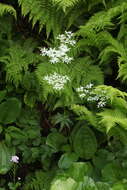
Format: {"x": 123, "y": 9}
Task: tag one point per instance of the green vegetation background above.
{"x": 63, "y": 142}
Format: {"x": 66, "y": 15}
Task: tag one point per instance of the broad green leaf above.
{"x": 5, "y": 156}
{"x": 64, "y": 184}
{"x": 55, "y": 140}
{"x": 79, "y": 169}
{"x": 16, "y": 134}
{"x": 102, "y": 158}
{"x": 84, "y": 143}
{"x": 113, "y": 172}
{"x": 67, "y": 159}
{"x": 9, "y": 110}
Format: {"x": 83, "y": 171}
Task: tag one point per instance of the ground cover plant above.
{"x": 63, "y": 97}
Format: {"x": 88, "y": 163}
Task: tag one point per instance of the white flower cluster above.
{"x": 89, "y": 93}
{"x": 60, "y": 54}
{"x": 56, "y": 80}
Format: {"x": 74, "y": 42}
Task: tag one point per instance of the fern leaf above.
{"x": 111, "y": 92}
{"x": 43, "y": 12}
{"x": 4, "y": 9}
{"x": 17, "y": 60}
{"x": 112, "y": 117}
{"x": 84, "y": 72}
{"x": 66, "y": 3}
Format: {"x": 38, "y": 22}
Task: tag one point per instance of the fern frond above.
{"x": 40, "y": 181}
{"x": 111, "y": 92}
{"x": 111, "y": 118}
{"x": 44, "y": 12}
{"x": 65, "y": 3}
{"x": 123, "y": 72}
{"x": 93, "y": 36}
{"x": 17, "y": 60}
{"x": 98, "y": 22}
{"x": 4, "y": 9}
{"x": 114, "y": 47}
{"x": 84, "y": 72}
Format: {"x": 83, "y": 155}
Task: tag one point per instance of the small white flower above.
{"x": 80, "y": 89}
{"x": 67, "y": 59}
{"x": 101, "y": 104}
{"x": 54, "y": 60}
{"x": 64, "y": 48}
{"x": 82, "y": 95}
{"x": 56, "y": 80}
{"x": 15, "y": 159}
{"x": 19, "y": 178}
{"x": 43, "y": 51}
{"x": 89, "y": 85}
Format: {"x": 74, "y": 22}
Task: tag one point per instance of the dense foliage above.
{"x": 63, "y": 97}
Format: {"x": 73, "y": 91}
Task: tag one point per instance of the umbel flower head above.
{"x": 15, "y": 159}
{"x": 56, "y": 80}
{"x": 60, "y": 54}
{"x": 91, "y": 95}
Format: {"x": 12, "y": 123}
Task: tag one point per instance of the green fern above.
{"x": 66, "y": 3}
{"x": 54, "y": 15}
{"x": 4, "y": 9}
{"x": 111, "y": 92}
{"x": 83, "y": 71}
{"x": 112, "y": 117}
{"x": 44, "y": 12}
{"x": 103, "y": 19}
{"x": 17, "y": 61}
{"x": 96, "y": 35}
{"x": 40, "y": 181}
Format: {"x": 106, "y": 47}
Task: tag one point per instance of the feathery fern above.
{"x": 111, "y": 92}
{"x": 17, "y": 61}
{"x": 44, "y": 12}
{"x": 96, "y": 35}
{"x": 40, "y": 181}
{"x": 112, "y": 117}
{"x": 66, "y": 3}
{"x": 4, "y": 9}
